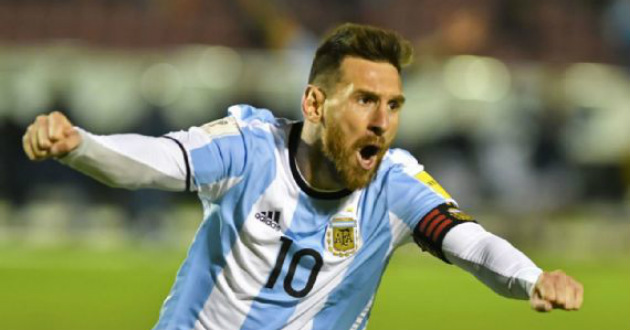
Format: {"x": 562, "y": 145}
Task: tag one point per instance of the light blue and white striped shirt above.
{"x": 272, "y": 253}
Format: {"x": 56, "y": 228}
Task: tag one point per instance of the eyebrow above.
{"x": 398, "y": 98}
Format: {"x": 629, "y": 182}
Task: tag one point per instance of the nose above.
{"x": 379, "y": 121}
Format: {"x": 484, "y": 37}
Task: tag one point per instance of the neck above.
{"x": 316, "y": 169}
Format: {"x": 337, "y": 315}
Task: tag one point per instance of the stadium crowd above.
{"x": 499, "y": 160}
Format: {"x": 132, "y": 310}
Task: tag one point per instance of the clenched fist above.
{"x": 557, "y": 290}
{"x": 50, "y": 136}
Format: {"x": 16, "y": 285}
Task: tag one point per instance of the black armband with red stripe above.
{"x": 431, "y": 229}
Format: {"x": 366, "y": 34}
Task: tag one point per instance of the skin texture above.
{"x": 557, "y": 290}
{"x": 50, "y": 136}
{"x": 363, "y": 108}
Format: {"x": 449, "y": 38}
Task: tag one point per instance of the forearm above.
{"x": 492, "y": 260}
{"x": 130, "y": 161}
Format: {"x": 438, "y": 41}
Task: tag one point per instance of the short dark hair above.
{"x": 363, "y": 41}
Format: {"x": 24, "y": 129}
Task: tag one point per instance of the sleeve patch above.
{"x": 431, "y": 229}
{"x": 427, "y": 179}
{"x": 221, "y": 127}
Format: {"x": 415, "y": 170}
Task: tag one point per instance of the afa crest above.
{"x": 342, "y": 235}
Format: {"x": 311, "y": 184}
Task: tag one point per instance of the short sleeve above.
{"x": 412, "y": 191}
{"x": 214, "y": 153}
{"x": 419, "y": 201}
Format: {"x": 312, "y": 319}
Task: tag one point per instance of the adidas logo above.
{"x": 270, "y": 218}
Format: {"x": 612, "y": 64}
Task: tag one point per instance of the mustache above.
{"x": 378, "y": 141}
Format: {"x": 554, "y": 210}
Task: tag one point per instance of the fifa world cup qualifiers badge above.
{"x": 221, "y": 127}
{"x": 342, "y": 234}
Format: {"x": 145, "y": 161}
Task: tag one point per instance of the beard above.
{"x": 344, "y": 157}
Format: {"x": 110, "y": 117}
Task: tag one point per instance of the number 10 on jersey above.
{"x": 295, "y": 260}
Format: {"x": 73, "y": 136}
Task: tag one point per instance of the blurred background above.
{"x": 520, "y": 108}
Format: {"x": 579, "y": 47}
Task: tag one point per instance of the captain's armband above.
{"x": 431, "y": 229}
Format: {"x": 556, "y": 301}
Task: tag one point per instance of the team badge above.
{"x": 342, "y": 235}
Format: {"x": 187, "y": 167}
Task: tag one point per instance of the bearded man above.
{"x": 301, "y": 218}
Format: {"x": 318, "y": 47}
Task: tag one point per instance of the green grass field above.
{"x": 74, "y": 289}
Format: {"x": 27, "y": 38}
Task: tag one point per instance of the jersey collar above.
{"x": 294, "y": 139}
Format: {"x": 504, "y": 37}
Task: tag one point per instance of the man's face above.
{"x": 361, "y": 118}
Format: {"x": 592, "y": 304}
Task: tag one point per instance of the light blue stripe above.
{"x": 249, "y": 113}
{"x": 221, "y": 158}
{"x": 191, "y": 286}
{"x": 409, "y": 198}
{"x": 351, "y": 296}
{"x": 216, "y": 237}
{"x": 273, "y": 307}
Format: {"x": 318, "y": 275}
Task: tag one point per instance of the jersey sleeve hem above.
{"x": 430, "y": 231}
{"x": 186, "y": 160}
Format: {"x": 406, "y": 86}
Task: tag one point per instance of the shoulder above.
{"x": 249, "y": 117}
{"x": 246, "y": 122}
{"x": 402, "y": 171}
{"x": 397, "y": 167}
{"x": 234, "y": 145}
{"x": 259, "y": 128}
{"x": 400, "y": 161}
{"x": 240, "y": 118}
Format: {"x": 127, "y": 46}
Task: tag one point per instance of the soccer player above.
{"x": 301, "y": 217}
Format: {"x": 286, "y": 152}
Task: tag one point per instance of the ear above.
{"x": 313, "y": 104}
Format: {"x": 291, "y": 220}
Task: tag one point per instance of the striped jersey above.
{"x": 274, "y": 253}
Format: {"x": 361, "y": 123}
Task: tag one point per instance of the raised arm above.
{"x": 508, "y": 271}
{"x": 126, "y": 160}
{"x": 441, "y": 228}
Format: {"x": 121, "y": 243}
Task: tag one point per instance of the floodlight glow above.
{"x": 476, "y": 78}
{"x": 161, "y": 84}
{"x": 219, "y": 67}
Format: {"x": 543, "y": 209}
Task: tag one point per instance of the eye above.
{"x": 394, "y": 105}
{"x": 366, "y": 99}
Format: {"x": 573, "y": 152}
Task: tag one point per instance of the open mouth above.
{"x": 367, "y": 156}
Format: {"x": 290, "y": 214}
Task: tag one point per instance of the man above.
{"x": 301, "y": 218}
